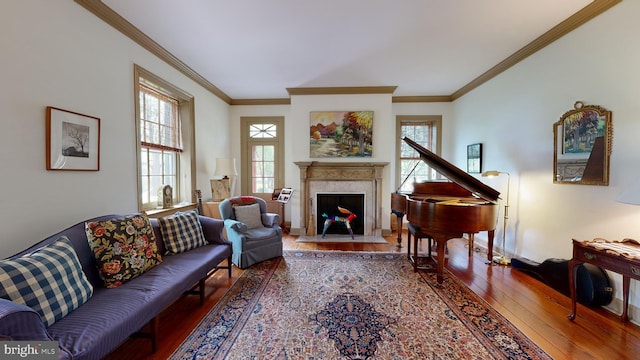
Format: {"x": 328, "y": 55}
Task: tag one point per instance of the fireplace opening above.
{"x": 329, "y": 203}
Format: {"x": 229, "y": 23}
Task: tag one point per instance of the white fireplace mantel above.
{"x": 319, "y": 176}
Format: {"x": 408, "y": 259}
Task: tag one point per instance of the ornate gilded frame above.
{"x": 582, "y": 146}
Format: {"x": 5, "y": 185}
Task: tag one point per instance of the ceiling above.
{"x": 257, "y": 49}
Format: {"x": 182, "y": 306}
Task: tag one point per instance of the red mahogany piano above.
{"x": 443, "y": 210}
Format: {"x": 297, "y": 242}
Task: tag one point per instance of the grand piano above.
{"x": 444, "y": 210}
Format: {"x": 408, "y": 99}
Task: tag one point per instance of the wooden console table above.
{"x": 211, "y": 209}
{"x": 622, "y": 257}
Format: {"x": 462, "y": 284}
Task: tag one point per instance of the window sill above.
{"x": 156, "y": 213}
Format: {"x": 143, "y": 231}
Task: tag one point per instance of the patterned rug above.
{"x": 338, "y": 238}
{"x": 352, "y": 305}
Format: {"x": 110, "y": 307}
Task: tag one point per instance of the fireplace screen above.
{"x": 329, "y": 204}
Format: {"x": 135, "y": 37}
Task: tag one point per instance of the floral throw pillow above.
{"x": 124, "y": 248}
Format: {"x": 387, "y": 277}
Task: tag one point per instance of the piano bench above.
{"x": 417, "y": 261}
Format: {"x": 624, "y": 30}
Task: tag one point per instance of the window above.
{"x": 425, "y": 130}
{"x": 261, "y": 156}
{"x": 162, "y": 154}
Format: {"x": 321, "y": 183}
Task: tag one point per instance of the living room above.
{"x": 59, "y": 54}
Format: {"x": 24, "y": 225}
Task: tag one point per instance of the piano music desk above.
{"x": 622, "y": 257}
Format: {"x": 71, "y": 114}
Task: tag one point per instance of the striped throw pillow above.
{"x": 49, "y": 280}
{"x": 181, "y": 232}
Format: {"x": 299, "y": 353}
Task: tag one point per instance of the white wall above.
{"x": 56, "y": 53}
{"x": 512, "y": 115}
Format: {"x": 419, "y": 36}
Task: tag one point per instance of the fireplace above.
{"x": 330, "y": 204}
{"x": 363, "y": 178}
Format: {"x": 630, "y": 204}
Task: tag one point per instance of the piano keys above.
{"x": 443, "y": 210}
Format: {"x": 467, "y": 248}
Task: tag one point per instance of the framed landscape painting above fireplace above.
{"x": 340, "y": 134}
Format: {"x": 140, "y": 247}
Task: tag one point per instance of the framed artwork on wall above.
{"x": 474, "y": 158}
{"x": 73, "y": 140}
{"x": 340, "y": 134}
{"x": 220, "y": 189}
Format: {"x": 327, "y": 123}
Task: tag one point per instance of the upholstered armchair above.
{"x": 254, "y": 233}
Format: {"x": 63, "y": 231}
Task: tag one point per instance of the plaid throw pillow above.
{"x": 181, "y": 232}
{"x": 124, "y": 248}
{"x": 49, "y": 280}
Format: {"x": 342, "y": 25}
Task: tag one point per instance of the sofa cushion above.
{"x": 49, "y": 280}
{"x": 124, "y": 248}
{"x": 181, "y": 232}
{"x": 111, "y": 315}
{"x": 249, "y": 214}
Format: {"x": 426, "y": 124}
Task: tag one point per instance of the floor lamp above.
{"x": 502, "y": 259}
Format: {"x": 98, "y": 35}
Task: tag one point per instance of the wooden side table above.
{"x": 622, "y": 257}
{"x": 211, "y": 209}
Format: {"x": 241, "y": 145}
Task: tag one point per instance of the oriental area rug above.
{"x": 352, "y": 305}
{"x": 338, "y": 238}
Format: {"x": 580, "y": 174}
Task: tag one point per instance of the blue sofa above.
{"x": 111, "y": 315}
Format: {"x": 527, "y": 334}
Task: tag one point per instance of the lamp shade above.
{"x": 491, "y": 173}
{"x": 225, "y": 167}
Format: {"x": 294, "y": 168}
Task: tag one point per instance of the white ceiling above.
{"x": 256, "y": 49}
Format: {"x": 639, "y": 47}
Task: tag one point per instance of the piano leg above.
{"x": 415, "y": 252}
{"x": 471, "y": 235}
{"x": 490, "y": 246}
{"x": 409, "y": 245}
{"x": 440, "y": 246}
{"x": 399, "y": 215}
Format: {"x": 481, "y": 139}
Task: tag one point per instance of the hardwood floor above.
{"x": 540, "y": 312}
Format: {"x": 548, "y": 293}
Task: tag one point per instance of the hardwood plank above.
{"x": 539, "y": 311}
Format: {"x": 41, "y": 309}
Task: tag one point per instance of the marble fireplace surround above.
{"x": 341, "y": 177}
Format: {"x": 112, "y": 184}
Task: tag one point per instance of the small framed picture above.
{"x": 73, "y": 141}
{"x": 474, "y": 158}
{"x": 220, "y": 189}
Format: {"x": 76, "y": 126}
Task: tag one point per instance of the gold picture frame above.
{"x": 582, "y": 145}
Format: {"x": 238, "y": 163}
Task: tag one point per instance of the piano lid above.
{"x": 454, "y": 173}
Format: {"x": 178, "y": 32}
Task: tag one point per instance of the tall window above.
{"x": 159, "y": 143}
{"x": 425, "y": 130}
{"x": 262, "y": 157}
{"x": 164, "y": 152}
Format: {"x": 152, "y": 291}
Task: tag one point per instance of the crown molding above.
{"x": 587, "y": 13}
{"x": 99, "y": 9}
{"x": 595, "y": 8}
{"x": 282, "y": 101}
{"x": 421, "y": 99}
{"x": 342, "y": 90}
